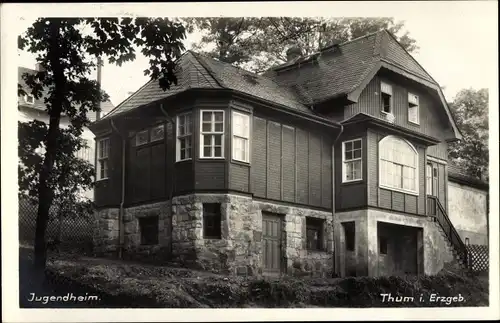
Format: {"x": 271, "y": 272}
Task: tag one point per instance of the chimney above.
{"x": 99, "y": 63}
{"x": 293, "y": 53}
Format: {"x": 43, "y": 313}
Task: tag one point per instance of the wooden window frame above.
{"x": 102, "y": 160}
{"x": 416, "y": 106}
{"x": 382, "y": 174}
{"x": 147, "y": 239}
{"x": 352, "y": 160}
{"x": 244, "y": 137}
{"x": 212, "y": 133}
{"x": 383, "y": 93}
{"x": 209, "y": 216}
{"x": 186, "y": 137}
{"x": 317, "y": 225}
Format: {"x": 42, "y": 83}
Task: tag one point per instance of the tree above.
{"x": 67, "y": 54}
{"x": 259, "y": 43}
{"x": 470, "y": 109}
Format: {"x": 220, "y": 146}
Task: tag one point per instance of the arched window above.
{"x": 398, "y": 161}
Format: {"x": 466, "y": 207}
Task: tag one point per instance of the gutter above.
{"x": 172, "y": 185}
{"x": 122, "y": 202}
{"x": 333, "y": 198}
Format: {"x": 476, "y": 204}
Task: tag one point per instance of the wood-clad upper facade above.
{"x": 369, "y": 145}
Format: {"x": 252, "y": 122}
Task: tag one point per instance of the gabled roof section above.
{"x": 345, "y": 70}
{"x": 196, "y": 71}
{"x": 190, "y": 74}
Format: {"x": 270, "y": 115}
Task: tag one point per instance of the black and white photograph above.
{"x": 288, "y": 160}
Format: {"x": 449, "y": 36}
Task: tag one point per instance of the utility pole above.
{"x": 99, "y": 66}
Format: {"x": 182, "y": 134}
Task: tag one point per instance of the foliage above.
{"x": 259, "y": 43}
{"x": 470, "y": 109}
{"x": 67, "y": 49}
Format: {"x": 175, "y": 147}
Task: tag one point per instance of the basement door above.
{"x": 271, "y": 244}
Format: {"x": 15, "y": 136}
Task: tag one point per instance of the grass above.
{"x": 162, "y": 286}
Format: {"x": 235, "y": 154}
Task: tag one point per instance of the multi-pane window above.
{"x": 102, "y": 158}
{"x": 428, "y": 179}
{"x": 142, "y": 137}
{"x": 158, "y": 133}
{"x": 386, "y": 91}
{"x": 184, "y": 137}
{"x": 212, "y": 134}
{"x": 148, "y": 227}
{"x": 211, "y": 221}
{"x": 153, "y": 134}
{"x": 241, "y": 137}
{"x": 413, "y": 107}
{"x": 351, "y": 159}
{"x": 398, "y": 164}
{"x": 314, "y": 233}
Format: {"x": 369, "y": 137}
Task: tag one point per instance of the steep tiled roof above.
{"x": 190, "y": 74}
{"x": 39, "y": 104}
{"x": 335, "y": 71}
{"x": 198, "y": 71}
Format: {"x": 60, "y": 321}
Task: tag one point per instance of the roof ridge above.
{"x": 207, "y": 68}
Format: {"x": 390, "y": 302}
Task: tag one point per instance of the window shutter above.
{"x": 413, "y": 99}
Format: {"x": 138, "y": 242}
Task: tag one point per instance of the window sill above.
{"x": 212, "y": 158}
{"x": 399, "y": 190}
{"x": 212, "y": 238}
{"x": 414, "y": 123}
{"x": 240, "y": 162}
{"x": 183, "y": 160}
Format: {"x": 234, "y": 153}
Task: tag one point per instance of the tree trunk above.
{"x": 45, "y": 191}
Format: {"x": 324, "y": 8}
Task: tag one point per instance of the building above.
{"x": 334, "y": 162}
{"x": 34, "y": 109}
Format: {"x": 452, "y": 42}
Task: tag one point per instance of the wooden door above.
{"x": 272, "y": 238}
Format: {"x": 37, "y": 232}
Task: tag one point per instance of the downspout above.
{"x": 122, "y": 202}
{"x": 333, "y": 198}
{"x": 172, "y": 184}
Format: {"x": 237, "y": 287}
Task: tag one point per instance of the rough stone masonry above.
{"x": 238, "y": 251}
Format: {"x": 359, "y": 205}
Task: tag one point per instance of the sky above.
{"x": 457, "y": 40}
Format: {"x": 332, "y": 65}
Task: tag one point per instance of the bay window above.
{"x": 241, "y": 137}
{"x": 102, "y": 158}
{"x": 212, "y": 134}
{"x": 184, "y": 137}
{"x": 351, "y": 160}
{"x": 398, "y": 162}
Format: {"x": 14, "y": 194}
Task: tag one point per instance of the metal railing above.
{"x": 437, "y": 211}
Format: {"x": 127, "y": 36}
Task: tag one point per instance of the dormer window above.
{"x": 386, "y": 91}
{"x": 30, "y": 99}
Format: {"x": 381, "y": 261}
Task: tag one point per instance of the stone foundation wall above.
{"x": 106, "y": 233}
{"x": 239, "y": 251}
